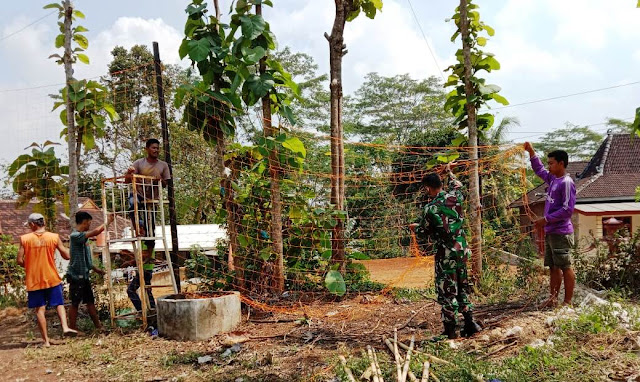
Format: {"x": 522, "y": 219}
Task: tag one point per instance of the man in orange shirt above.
{"x": 44, "y": 285}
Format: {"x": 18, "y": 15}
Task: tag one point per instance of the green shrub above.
{"x": 11, "y": 274}
{"x": 612, "y": 265}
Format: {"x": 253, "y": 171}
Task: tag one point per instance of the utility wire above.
{"x": 27, "y": 26}
{"x": 427, "y": 41}
{"x": 565, "y": 96}
{"x": 30, "y": 88}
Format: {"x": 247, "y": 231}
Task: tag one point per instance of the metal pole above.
{"x": 173, "y": 219}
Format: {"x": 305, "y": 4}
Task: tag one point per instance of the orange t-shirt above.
{"x": 39, "y": 260}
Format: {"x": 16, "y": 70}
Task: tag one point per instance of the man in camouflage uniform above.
{"x": 442, "y": 222}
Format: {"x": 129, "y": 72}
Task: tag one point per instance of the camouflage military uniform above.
{"x": 442, "y": 221}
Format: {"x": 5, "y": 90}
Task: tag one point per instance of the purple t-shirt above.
{"x": 560, "y": 199}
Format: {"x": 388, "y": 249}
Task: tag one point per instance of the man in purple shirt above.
{"x": 558, "y": 208}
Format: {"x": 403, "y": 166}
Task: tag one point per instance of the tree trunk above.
{"x": 337, "y": 49}
{"x": 274, "y": 166}
{"x": 474, "y": 180}
{"x": 71, "y": 128}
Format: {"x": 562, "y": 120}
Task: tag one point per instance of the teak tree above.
{"x": 470, "y": 93}
{"x": 85, "y": 101}
{"x": 237, "y": 73}
{"x": 346, "y": 10}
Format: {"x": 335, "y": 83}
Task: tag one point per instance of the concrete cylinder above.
{"x": 197, "y": 319}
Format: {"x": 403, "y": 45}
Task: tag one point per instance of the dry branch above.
{"x": 346, "y": 369}
{"x": 425, "y": 371}
{"x": 405, "y": 370}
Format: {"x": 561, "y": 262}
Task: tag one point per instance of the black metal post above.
{"x": 173, "y": 219}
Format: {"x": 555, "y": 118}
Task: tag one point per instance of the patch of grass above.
{"x": 79, "y": 352}
{"x": 541, "y": 364}
{"x": 599, "y": 319}
{"x": 411, "y": 294}
{"x": 11, "y": 301}
{"x": 358, "y": 279}
{"x": 175, "y": 358}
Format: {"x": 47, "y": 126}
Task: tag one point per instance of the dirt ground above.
{"x": 297, "y": 344}
{"x": 407, "y": 272}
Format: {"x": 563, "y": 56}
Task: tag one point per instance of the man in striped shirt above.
{"x": 558, "y": 229}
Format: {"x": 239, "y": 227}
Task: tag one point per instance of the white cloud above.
{"x": 127, "y": 32}
{"x": 26, "y": 116}
{"x": 390, "y": 44}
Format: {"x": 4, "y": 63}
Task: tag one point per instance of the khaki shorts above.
{"x": 557, "y": 250}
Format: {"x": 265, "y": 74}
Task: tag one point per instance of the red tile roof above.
{"x": 13, "y": 218}
{"x": 537, "y": 194}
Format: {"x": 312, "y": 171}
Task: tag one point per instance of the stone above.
{"x": 537, "y": 343}
{"x": 515, "y": 331}
{"x": 198, "y": 319}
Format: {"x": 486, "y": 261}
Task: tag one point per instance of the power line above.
{"x": 426, "y": 40}
{"x": 30, "y": 88}
{"x": 538, "y": 133}
{"x": 27, "y": 26}
{"x": 565, "y": 96}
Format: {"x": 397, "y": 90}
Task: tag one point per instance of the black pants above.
{"x": 80, "y": 291}
{"x": 132, "y": 290}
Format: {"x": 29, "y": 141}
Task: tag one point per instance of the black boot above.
{"x": 450, "y": 332}
{"x": 470, "y": 326}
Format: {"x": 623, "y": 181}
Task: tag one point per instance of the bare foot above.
{"x": 567, "y": 303}
{"x": 549, "y": 303}
{"x": 70, "y": 333}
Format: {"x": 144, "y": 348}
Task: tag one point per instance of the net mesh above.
{"x": 234, "y": 185}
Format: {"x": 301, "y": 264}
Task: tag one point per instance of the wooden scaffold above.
{"x": 138, "y": 200}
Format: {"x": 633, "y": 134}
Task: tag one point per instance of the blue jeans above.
{"x": 132, "y": 290}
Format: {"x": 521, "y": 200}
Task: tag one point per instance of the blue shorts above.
{"x": 43, "y": 297}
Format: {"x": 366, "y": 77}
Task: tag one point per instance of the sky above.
{"x": 547, "y": 49}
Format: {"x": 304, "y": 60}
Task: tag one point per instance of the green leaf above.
{"x": 481, "y": 41}
{"x": 335, "y": 283}
{"x": 199, "y": 49}
{"x": 63, "y": 117}
{"x": 242, "y": 240}
{"x": 59, "y": 41}
{"x": 259, "y": 86}
{"x": 252, "y": 56}
{"x": 192, "y": 9}
{"x": 288, "y": 113}
{"x": 83, "y": 58}
{"x": 265, "y": 254}
{"x": 81, "y": 40}
{"x": 80, "y": 28}
{"x": 359, "y": 256}
{"x": 449, "y": 157}
{"x": 500, "y": 99}
{"x": 53, "y": 5}
{"x": 294, "y": 144}
{"x": 252, "y": 26}
{"x": 184, "y": 49}
{"x": 326, "y": 255}
{"x": 490, "y": 31}
{"x": 635, "y": 126}
{"x": 111, "y": 111}
{"x": 459, "y": 141}
{"x": 351, "y": 16}
{"x": 78, "y": 14}
{"x": 489, "y": 89}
